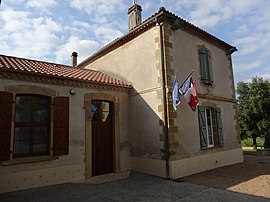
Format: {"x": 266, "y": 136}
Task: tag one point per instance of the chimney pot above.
{"x": 74, "y": 57}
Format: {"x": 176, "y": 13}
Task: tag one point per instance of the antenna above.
{"x": 134, "y": 2}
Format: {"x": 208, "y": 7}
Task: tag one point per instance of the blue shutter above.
{"x": 202, "y": 127}
{"x": 203, "y": 65}
{"x": 206, "y": 67}
{"x": 219, "y": 127}
{"x": 210, "y": 75}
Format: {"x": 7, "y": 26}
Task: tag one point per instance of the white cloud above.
{"x": 14, "y": 20}
{"x": 100, "y": 9}
{"x": 241, "y": 67}
{"x": 107, "y": 34}
{"x": 40, "y": 4}
{"x": 84, "y": 48}
{"x": 266, "y": 75}
{"x": 28, "y": 36}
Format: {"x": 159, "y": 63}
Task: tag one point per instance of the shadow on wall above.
{"x": 146, "y": 126}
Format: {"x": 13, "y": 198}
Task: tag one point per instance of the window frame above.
{"x": 211, "y": 130}
{"x": 32, "y": 124}
{"x": 216, "y": 127}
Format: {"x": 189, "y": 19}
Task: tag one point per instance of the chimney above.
{"x": 134, "y": 15}
{"x": 74, "y": 57}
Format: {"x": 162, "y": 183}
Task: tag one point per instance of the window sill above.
{"x": 29, "y": 160}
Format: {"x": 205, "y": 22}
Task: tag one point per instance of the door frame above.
{"x": 88, "y": 98}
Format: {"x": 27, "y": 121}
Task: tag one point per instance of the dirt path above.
{"x": 251, "y": 177}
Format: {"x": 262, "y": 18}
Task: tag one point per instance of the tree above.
{"x": 254, "y": 110}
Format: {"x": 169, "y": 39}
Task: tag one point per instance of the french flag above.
{"x": 188, "y": 90}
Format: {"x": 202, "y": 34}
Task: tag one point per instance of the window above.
{"x": 100, "y": 111}
{"x": 32, "y": 125}
{"x": 210, "y": 127}
{"x": 206, "y": 66}
{"x": 36, "y": 131}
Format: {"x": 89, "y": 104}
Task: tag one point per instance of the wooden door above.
{"x": 102, "y": 137}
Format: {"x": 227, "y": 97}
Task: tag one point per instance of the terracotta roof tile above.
{"x": 58, "y": 71}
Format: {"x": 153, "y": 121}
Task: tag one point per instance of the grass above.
{"x": 250, "y": 152}
{"x": 249, "y": 142}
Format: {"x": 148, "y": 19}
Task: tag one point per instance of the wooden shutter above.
{"x": 61, "y": 126}
{"x": 6, "y": 100}
{"x": 210, "y": 74}
{"x": 202, "y": 127}
{"x": 219, "y": 127}
{"x": 206, "y": 67}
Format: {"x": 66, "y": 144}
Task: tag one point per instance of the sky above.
{"x": 51, "y": 30}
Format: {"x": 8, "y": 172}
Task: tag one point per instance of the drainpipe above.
{"x": 165, "y": 128}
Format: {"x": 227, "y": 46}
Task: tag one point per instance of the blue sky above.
{"x": 51, "y": 30}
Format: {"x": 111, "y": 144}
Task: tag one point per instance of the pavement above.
{"x": 137, "y": 187}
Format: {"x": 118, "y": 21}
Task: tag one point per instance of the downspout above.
{"x": 165, "y": 128}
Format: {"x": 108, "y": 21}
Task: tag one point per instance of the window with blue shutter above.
{"x": 210, "y": 127}
{"x": 206, "y": 66}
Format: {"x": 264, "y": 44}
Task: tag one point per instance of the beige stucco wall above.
{"x": 197, "y": 164}
{"x": 185, "y": 58}
{"x": 138, "y": 62}
{"x": 69, "y": 167}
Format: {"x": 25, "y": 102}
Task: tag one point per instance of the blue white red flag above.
{"x": 175, "y": 93}
{"x": 188, "y": 90}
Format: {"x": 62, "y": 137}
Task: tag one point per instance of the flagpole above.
{"x": 188, "y": 76}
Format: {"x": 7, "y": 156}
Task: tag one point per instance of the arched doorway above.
{"x": 102, "y": 124}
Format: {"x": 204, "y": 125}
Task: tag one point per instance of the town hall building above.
{"x": 113, "y": 112}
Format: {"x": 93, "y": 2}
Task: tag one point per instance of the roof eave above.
{"x": 56, "y": 80}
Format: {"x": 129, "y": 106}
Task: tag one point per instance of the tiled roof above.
{"x": 25, "y": 68}
{"x": 151, "y": 22}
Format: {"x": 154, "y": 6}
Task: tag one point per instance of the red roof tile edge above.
{"x": 40, "y": 71}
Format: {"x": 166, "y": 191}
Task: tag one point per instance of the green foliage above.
{"x": 254, "y": 109}
{"x": 249, "y": 142}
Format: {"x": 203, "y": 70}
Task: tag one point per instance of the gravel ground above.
{"x": 251, "y": 177}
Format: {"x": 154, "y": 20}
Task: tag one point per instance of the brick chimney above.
{"x": 74, "y": 57}
{"x": 134, "y": 15}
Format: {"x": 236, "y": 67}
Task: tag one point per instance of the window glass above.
{"x": 40, "y": 139}
{"x": 209, "y": 128}
{"x": 23, "y": 108}
{"x": 22, "y": 140}
{"x": 41, "y": 109}
{"x": 95, "y": 111}
{"x": 106, "y": 117}
{"x": 101, "y": 111}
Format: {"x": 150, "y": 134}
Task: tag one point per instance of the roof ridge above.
{"x": 34, "y": 60}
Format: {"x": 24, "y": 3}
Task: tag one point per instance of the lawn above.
{"x": 250, "y": 152}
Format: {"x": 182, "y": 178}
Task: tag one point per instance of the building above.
{"x": 92, "y": 121}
